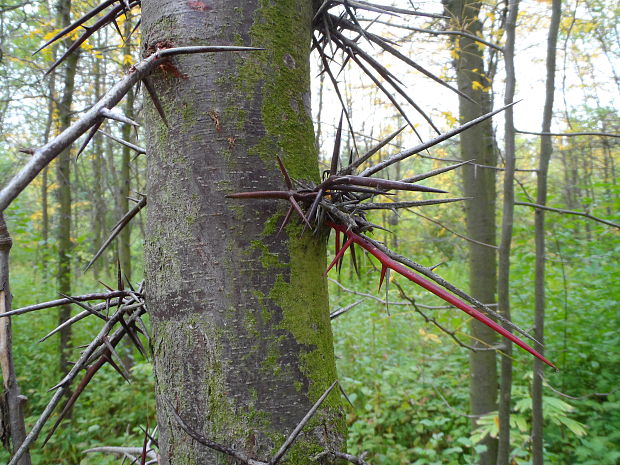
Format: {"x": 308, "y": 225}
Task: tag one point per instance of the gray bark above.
{"x": 478, "y": 143}
{"x": 241, "y": 332}
{"x": 546, "y": 149}
{"x": 503, "y": 278}
{"x": 63, "y": 193}
{"x": 12, "y": 402}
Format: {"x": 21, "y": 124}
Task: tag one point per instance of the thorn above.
{"x": 111, "y": 114}
{"x": 384, "y": 269}
{"x": 336, "y": 154}
{"x": 339, "y": 255}
{"x": 89, "y": 137}
{"x": 287, "y": 178}
{"x": 286, "y": 219}
{"x": 299, "y": 211}
{"x": 150, "y": 89}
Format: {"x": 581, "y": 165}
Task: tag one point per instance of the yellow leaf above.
{"x": 128, "y": 60}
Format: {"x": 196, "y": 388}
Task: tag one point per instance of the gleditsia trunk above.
{"x": 241, "y": 332}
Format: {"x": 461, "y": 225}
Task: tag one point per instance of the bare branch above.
{"x": 569, "y": 212}
{"x": 569, "y": 134}
{"x": 436, "y": 33}
{"x": 67, "y": 300}
{"x": 44, "y": 155}
{"x": 441, "y": 225}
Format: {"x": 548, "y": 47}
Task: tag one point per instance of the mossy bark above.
{"x": 241, "y": 332}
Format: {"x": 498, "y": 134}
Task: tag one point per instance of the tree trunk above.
{"x": 63, "y": 193}
{"x": 11, "y": 402}
{"x": 503, "y": 284}
{"x": 479, "y": 183}
{"x": 242, "y": 340}
{"x": 124, "y": 244}
{"x": 546, "y": 148}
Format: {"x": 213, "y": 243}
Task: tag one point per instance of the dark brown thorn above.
{"x": 117, "y": 368}
{"x": 336, "y": 154}
{"x": 360, "y": 190}
{"x": 118, "y": 29}
{"x": 89, "y": 137}
{"x": 291, "y": 438}
{"x": 76, "y": 24}
{"x": 90, "y": 372}
{"x": 315, "y": 204}
{"x": 415, "y": 203}
{"x": 133, "y": 336}
{"x": 135, "y": 28}
{"x": 75, "y": 45}
{"x": 349, "y": 169}
{"x": 380, "y": 184}
{"x": 299, "y": 211}
{"x": 117, "y": 229}
{"x": 354, "y": 260}
{"x": 392, "y": 10}
{"x": 430, "y": 174}
{"x": 85, "y": 306}
{"x": 287, "y": 178}
{"x": 150, "y": 89}
{"x": 120, "y": 285}
{"x": 286, "y": 219}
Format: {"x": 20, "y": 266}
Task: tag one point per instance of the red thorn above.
{"x": 339, "y": 255}
{"x": 401, "y": 269}
{"x": 337, "y": 242}
{"x": 383, "y": 271}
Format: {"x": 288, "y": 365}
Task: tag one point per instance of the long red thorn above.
{"x": 384, "y": 269}
{"x": 339, "y": 254}
{"x": 388, "y": 262}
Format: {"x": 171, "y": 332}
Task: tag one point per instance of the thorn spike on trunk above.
{"x": 299, "y": 211}
{"x": 286, "y": 219}
{"x": 287, "y": 178}
{"x": 150, "y": 89}
{"x": 339, "y": 255}
{"x": 336, "y": 155}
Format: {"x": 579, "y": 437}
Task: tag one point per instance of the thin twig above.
{"x": 569, "y": 212}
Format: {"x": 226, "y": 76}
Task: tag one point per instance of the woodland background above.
{"x": 407, "y": 380}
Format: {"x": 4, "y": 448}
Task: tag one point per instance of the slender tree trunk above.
{"x": 503, "y": 284}
{"x": 546, "y": 148}
{"x": 63, "y": 192}
{"x": 478, "y": 143}
{"x": 12, "y": 402}
{"x": 98, "y": 206}
{"x": 241, "y": 339}
{"x": 124, "y": 245}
